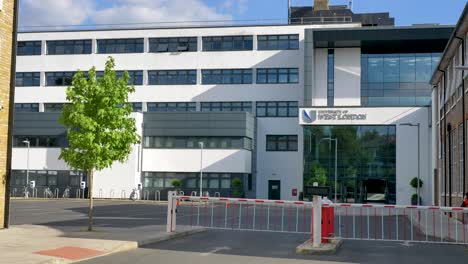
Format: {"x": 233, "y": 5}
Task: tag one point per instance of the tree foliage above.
{"x": 100, "y": 130}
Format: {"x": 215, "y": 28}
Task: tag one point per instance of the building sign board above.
{"x": 354, "y": 115}
{"x": 312, "y": 190}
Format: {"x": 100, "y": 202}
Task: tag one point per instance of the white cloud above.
{"x": 76, "y": 12}
{"x": 53, "y": 12}
{"x": 234, "y": 6}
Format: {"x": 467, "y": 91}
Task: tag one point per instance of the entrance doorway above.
{"x": 274, "y": 190}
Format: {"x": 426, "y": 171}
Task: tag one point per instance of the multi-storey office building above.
{"x": 239, "y": 90}
{"x": 449, "y": 113}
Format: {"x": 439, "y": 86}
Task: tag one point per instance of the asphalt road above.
{"x": 262, "y": 247}
{"x": 223, "y": 246}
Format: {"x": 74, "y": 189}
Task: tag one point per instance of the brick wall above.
{"x": 6, "y": 40}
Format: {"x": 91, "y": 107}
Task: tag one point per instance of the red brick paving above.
{"x": 73, "y": 253}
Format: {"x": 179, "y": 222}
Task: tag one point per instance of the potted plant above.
{"x": 236, "y": 185}
{"x": 416, "y": 183}
{"x": 176, "y": 184}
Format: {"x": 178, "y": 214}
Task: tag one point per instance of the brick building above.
{"x": 7, "y": 38}
{"x": 450, "y": 118}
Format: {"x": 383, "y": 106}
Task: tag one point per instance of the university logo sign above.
{"x": 309, "y": 116}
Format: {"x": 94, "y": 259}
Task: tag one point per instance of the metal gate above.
{"x": 424, "y": 224}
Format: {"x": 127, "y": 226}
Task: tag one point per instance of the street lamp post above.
{"x": 418, "y": 125}
{"x": 28, "y": 144}
{"x": 201, "y": 168}
{"x": 336, "y": 162}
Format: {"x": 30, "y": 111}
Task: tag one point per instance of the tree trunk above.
{"x": 90, "y": 196}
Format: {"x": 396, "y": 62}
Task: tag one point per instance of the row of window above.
{"x": 281, "y": 143}
{"x": 40, "y": 141}
{"x": 49, "y": 178}
{"x": 189, "y": 180}
{"x": 194, "y": 142}
{"x": 157, "y": 45}
{"x": 173, "y": 77}
{"x": 264, "y": 109}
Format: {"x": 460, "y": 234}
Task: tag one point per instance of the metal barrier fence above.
{"x": 424, "y": 224}
{"x": 244, "y": 214}
{"x": 429, "y": 224}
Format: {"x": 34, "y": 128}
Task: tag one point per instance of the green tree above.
{"x": 100, "y": 129}
{"x": 319, "y": 175}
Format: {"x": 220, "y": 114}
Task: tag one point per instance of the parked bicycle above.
{"x": 66, "y": 193}
{"x": 134, "y": 194}
{"x": 48, "y": 193}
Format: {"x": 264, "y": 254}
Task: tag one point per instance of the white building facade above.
{"x": 242, "y": 91}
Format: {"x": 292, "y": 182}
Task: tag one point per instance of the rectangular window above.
{"x": 278, "y": 42}
{"x": 281, "y": 143}
{"x": 193, "y": 142}
{"x": 462, "y": 163}
{"x": 172, "y": 107}
{"x": 183, "y": 44}
{"x": 227, "y": 43}
{"x": 397, "y": 79}
{"x": 59, "y": 78}
{"x": 227, "y": 76}
{"x": 40, "y": 141}
{"x": 226, "y": 181}
{"x": 137, "y": 107}
{"x": 53, "y": 107}
{"x": 172, "y": 77}
{"x": 68, "y": 47}
{"x": 226, "y": 107}
{"x": 454, "y": 162}
{"x": 278, "y": 75}
{"x": 277, "y": 109}
{"x": 135, "y": 77}
{"x": 29, "y": 48}
{"x": 331, "y": 78}
{"x": 28, "y": 79}
{"x": 106, "y": 46}
{"x": 25, "y": 107}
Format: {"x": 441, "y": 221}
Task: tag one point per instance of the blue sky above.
{"x": 79, "y": 12}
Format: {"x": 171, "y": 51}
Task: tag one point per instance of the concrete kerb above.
{"x": 170, "y": 236}
{"x": 307, "y": 248}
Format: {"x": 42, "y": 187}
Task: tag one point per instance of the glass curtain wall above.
{"x": 366, "y": 161}
{"x": 397, "y": 79}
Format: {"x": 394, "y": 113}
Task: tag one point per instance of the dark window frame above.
{"x": 273, "y": 42}
{"x": 34, "y": 79}
{"x": 24, "y": 107}
{"x": 290, "y": 141}
{"x": 278, "y": 107}
{"x": 235, "y": 106}
{"x": 35, "y": 48}
{"x": 171, "y": 106}
{"x": 70, "y": 47}
{"x": 66, "y": 78}
{"x": 120, "y": 46}
{"x": 173, "y": 44}
{"x": 276, "y": 75}
{"x": 227, "y": 76}
{"x": 172, "y": 77}
{"x": 227, "y": 43}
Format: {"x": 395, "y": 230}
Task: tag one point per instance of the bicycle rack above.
{"x": 206, "y": 194}
{"x": 217, "y": 194}
{"x": 181, "y": 193}
{"x": 56, "y": 193}
{"x": 123, "y": 194}
{"x": 157, "y": 196}
{"x": 34, "y": 193}
{"x": 78, "y": 193}
{"x": 100, "y": 193}
{"x": 194, "y": 193}
{"x": 13, "y": 192}
{"x": 145, "y": 195}
{"x": 45, "y": 193}
{"x": 111, "y": 193}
